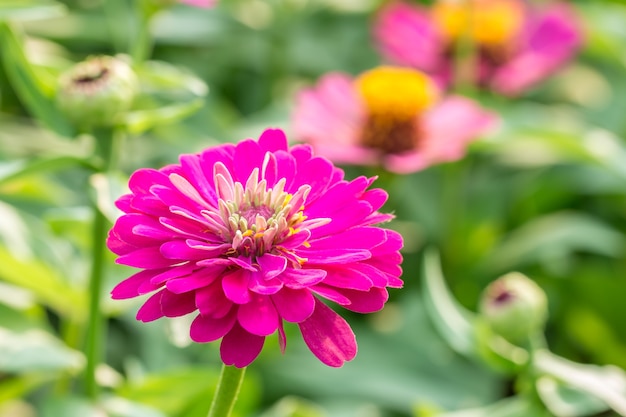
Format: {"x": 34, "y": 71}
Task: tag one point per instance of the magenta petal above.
{"x": 151, "y": 309}
{"x": 302, "y": 278}
{"x": 259, "y": 316}
{"x": 347, "y": 278}
{"x": 334, "y": 256}
{"x": 366, "y": 301}
{"x": 235, "y": 285}
{"x": 294, "y": 305}
{"x": 149, "y": 258}
{"x": 175, "y": 305}
{"x": 240, "y": 348}
{"x": 211, "y": 301}
{"x": 272, "y": 265}
{"x": 329, "y": 336}
{"x": 129, "y": 288}
{"x": 248, "y": 155}
{"x": 272, "y": 140}
{"x": 207, "y": 329}
{"x": 199, "y": 279}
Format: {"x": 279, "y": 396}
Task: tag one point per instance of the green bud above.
{"x": 95, "y": 92}
{"x": 515, "y": 307}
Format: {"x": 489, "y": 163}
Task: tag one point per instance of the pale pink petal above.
{"x": 330, "y": 113}
{"x": 329, "y": 336}
{"x": 448, "y": 128}
{"x": 200, "y": 3}
{"x": 239, "y": 348}
{"x": 406, "y": 36}
{"x": 551, "y": 40}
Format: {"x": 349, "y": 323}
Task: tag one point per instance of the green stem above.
{"x": 105, "y": 149}
{"x": 142, "y": 45}
{"x": 227, "y": 390}
{"x": 465, "y": 58}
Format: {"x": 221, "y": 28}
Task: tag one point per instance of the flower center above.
{"x": 489, "y": 22}
{"x": 257, "y": 219}
{"x": 394, "y": 97}
{"x": 396, "y": 93}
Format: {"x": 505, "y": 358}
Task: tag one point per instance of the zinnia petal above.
{"x": 329, "y": 336}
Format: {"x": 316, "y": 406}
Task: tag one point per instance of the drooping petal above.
{"x": 239, "y": 348}
{"x": 294, "y": 305}
{"x": 329, "y": 336}
{"x": 259, "y": 316}
{"x": 207, "y": 329}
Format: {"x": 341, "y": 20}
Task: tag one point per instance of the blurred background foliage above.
{"x": 544, "y": 195}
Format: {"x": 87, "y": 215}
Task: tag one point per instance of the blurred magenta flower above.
{"x": 251, "y": 235}
{"x": 200, "y": 3}
{"x": 518, "y": 44}
{"x": 389, "y": 115}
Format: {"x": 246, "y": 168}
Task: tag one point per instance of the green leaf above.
{"x": 186, "y": 392}
{"x": 12, "y": 170}
{"x": 30, "y": 90}
{"x": 554, "y": 236}
{"x": 454, "y": 322}
{"x": 44, "y": 282}
{"x": 108, "y": 187}
{"x": 158, "y": 76}
{"x": 606, "y": 383}
{"x": 294, "y": 407}
{"x": 30, "y": 9}
{"x": 70, "y": 407}
{"x": 137, "y": 122}
{"x": 563, "y": 400}
{"x": 35, "y": 350}
{"x": 509, "y": 407}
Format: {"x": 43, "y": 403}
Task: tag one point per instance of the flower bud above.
{"x": 95, "y": 92}
{"x": 515, "y": 307}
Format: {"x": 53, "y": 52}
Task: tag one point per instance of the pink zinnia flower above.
{"x": 518, "y": 45}
{"x": 389, "y": 115}
{"x": 248, "y": 236}
{"x": 200, "y": 3}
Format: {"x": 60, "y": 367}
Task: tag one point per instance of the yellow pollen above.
{"x": 306, "y": 244}
{"x": 488, "y": 22}
{"x": 396, "y": 93}
{"x": 288, "y": 198}
{"x": 247, "y": 233}
{"x": 258, "y": 235}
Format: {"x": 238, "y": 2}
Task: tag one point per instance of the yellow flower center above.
{"x": 394, "y": 97}
{"x": 488, "y": 22}
{"x": 396, "y": 93}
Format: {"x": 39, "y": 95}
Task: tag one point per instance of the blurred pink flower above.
{"x": 248, "y": 236}
{"x": 200, "y": 3}
{"x": 390, "y": 116}
{"x": 518, "y": 44}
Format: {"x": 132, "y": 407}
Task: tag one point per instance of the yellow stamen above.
{"x": 258, "y": 235}
{"x": 306, "y": 244}
{"x": 247, "y": 233}
{"x": 288, "y": 198}
{"x": 488, "y": 22}
{"x": 396, "y": 93}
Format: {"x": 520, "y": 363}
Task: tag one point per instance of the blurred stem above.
{"x": 465, "y": 56}
{"x": 227, "y": 391}
{"x": 141, "y": 49}
{"x": 106, "y": 144}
